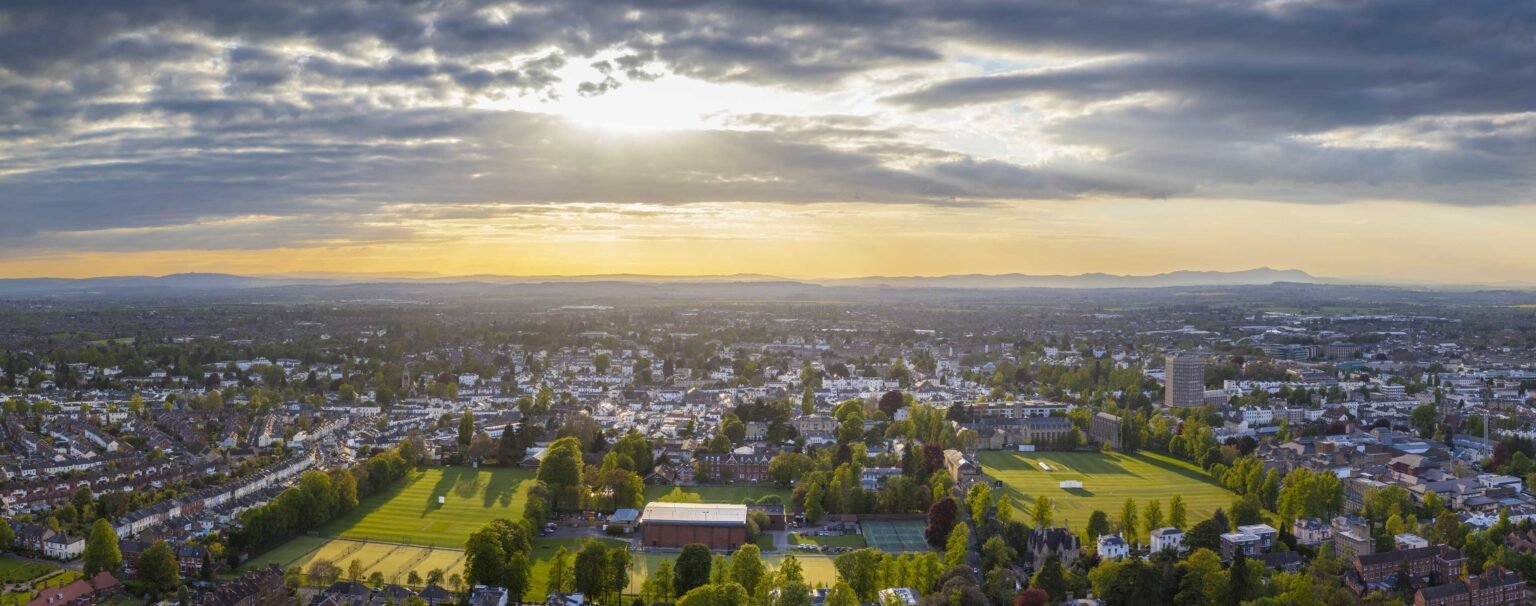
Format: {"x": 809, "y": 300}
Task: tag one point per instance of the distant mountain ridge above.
{"x": 1248, "y": 277}
{"x": 204, "y": 282}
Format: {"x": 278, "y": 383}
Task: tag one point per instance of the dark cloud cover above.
{"x": 295, "y": 108}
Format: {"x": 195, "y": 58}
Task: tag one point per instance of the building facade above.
{"x": 1105, "y": 428}
{"x": 1184, "y": 380}
{"x": 677, "y": 524}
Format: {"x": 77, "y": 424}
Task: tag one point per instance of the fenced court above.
{"x": 895, "y": 536}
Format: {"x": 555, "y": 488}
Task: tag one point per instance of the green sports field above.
{"x": 405, "y": 529}
{"x": 410, "y": 513}
{"x": 721, "y": 494}
{"x": 395, "y": 562}
{"x": 1108, "y": 479}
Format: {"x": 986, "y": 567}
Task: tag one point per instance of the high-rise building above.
{"x": 1184, "y": 379}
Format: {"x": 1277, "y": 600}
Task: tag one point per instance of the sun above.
{"x": 647, "y": 107}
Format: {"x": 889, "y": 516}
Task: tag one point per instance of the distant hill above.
{"x": 1250, "y": 277}
{"x": 207, "y": 282}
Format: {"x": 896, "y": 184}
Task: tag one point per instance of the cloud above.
{"x": 117, "y": 117}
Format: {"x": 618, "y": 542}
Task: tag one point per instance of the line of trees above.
{"x": 321, "y": 496}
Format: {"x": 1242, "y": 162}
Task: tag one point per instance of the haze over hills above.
{"x": 1258, "y": 276}
{"x": 217, "y": 281}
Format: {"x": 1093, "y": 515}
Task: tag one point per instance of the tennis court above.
{"x": 895, "y": 536}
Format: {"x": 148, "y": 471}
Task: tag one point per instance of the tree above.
{"x": 1177, "y": 514}
{"x": 852, "y": 428}
{"x": 1128, "y": 519}
{"x": 979, "y": 500}
{"x": 789, "y": 582}
{"x": 715, "y": 594}
{"x": 480, "y": 447}
{"x": 101, "y": 551}
{"x": 536, "y": 511}
{"x": 1005, "y": 510}
{"x": 747, "y": 567}
{"x": 1040, "y": 513}
{"x": 1051, "y": 578}
{"x": 890, "y": 402}
{"x": 466, "y": 429}
{"x": 7, "y": 535}
{"x": 995, "y": 552}
{"x": 841, "y": 595}
{"x": 1206, "y": 534}
{"x": 560, "y": 572}
{"x": 1310, "y": 494}
{"x": 1201, "y": 580}
{"x": 355, "y": 570}
{"x": 692, "y": 569}
{"x": 484, "y": 558}
{"x": 618, "y": 570}
{"x": 860, "y": 569}
{"x": 1247, "y": 510}
{"x": 1132, "y": 583}
{"x": 1433, "y": 505}
{"x": 1098, "y": 525}
{"x": 658, "y": 585}
{"x": 592, "y": 569}
{"x": 1152, "y": 516}
{"x": 1448, "y": 530}
{"x": 957, "y": 548}
{"x": 376, "y": 579}
{"x": 941, "y": 520}
{"x": 1425, "y": 418}
{"x": 787, "y": 466}
{"x": 561, "y": 471}
{"x": 158, "y": 569}
{"x": 323, "y": 572}
{"x": 1034, "y": 596}
{"x": 814, "y": 507}
{"x": 1237, "y": 579}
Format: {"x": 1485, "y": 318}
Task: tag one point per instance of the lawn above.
{"x": 410, "y": 513}
{"x": 847, "y": 540}
{"x": 395, "y": 562}
{"x": 13, "y": 570}
{"x": 722, "y": 494}
{"x": 1108, "y": 480}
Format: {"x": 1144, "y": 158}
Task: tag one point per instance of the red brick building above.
{"x": 1496, "y": 587}
{"x": 678, "y": 524}
{"x": 1438, "y": 564}
{"x": 733, "y": 467}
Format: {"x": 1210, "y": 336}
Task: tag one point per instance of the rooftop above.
{"x": 695, "y": 514}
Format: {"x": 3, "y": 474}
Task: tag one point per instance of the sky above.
{"x": 1374, "y": 139}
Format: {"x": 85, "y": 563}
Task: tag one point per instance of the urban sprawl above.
{"x": 769, "y": 454}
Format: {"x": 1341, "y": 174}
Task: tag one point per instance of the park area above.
{"x": 1108, "y": 479}
{"x": 410, "y": 512}
{"x": 407, "y": 529}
